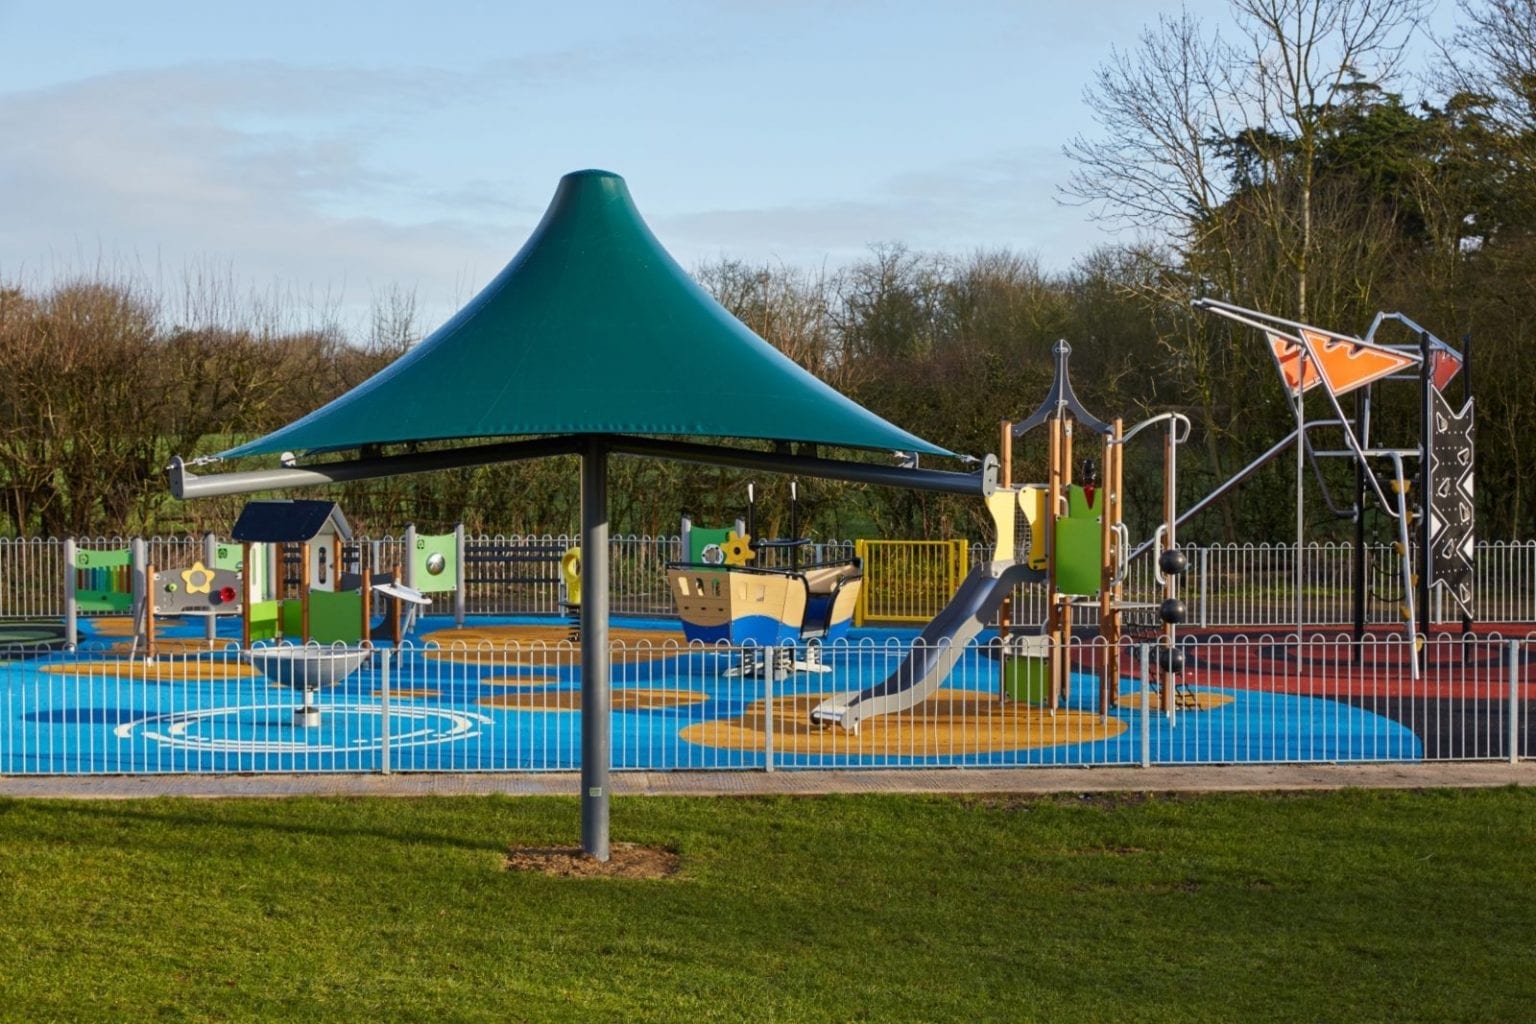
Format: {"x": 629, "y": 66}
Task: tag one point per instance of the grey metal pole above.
{"x": 1146, "y": 705}
{"x": 1425, "y": 563}
{"x": 408, "y": 561}
{"x": 210, "y": 559}
{"x": 1205, "y": 585}
{"x": 1301, "y": 500}
{"x": 138, "y": 568}
{"x": 460, "y": 598}
{"x": 596, "y": 696}
{"x": 1357, "y": 574}
{"x": 1514, "y": 701}
{"x": 384, "y": 658}
{"x": 769, "y": 656}
{"x": 71, "y": 607}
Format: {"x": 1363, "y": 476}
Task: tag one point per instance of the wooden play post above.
{"x": 1058, "y": 413}
{"x": 1118, "y": 591}
{"x": 149, "y": 613}
{"x": 1005, "y": 610}
{"x": 396, "y": 627}
{"x": 1066, "y": 600}
{"x": 367, "y": 602}
{"x": 1109, "y": 586}
{"x": 1052, "y": 502}
{"x": 304, "y": 584}
{"x": 1006, "y": 450}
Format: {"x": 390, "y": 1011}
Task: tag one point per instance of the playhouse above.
{"x": 327, "y": 609}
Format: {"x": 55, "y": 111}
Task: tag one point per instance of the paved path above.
{"x": 1219, "y": 778}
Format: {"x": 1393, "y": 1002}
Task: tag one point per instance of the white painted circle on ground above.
{"x": 268, "y": 729}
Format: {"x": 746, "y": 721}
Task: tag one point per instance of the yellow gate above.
{"x": 909, "y": 580}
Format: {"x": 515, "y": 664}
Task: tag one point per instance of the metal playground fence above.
{"x": 1250, "y": 585}
{"x": 462, "y": 706}
{"x": 496, "y": 698}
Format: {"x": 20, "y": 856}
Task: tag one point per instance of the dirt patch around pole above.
{"x": 625, "y": 860}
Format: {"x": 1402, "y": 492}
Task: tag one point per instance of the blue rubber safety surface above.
{"x": 437, "y": 720}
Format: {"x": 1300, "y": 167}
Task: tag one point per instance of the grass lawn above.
{"x": 1352, "y": 906}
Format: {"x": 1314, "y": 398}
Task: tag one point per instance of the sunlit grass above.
{"x": 1353, "y": 906}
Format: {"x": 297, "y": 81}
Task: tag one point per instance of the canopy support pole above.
{"x": 596, "y": 694}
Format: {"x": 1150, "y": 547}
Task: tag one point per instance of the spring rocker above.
{"x": 725, "y": 593}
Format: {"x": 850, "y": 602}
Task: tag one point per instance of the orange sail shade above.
{"x": 1347, "y": 364}
{"x": 1288, "y": 361}
{"x": 1444, "y": 365}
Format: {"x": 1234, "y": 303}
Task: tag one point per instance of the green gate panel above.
{"x": 264, "y": 618}
{"x": 103, "y": 601}
{"x": 336, "y": 618}
{"x": 1079, "y": 556}
{"x": 103, "y": 559}
{"x": 292, "y": 615}
{"x": 228, "y": 556}
{"x": 701, "y": 537}
{"x": 435, "y": 563}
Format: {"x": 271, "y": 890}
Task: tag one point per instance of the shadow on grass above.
{"x": 53, "y": 818}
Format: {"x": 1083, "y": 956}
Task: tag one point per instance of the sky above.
{"x": 336, "y": 152}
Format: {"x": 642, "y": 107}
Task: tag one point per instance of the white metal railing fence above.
{"x": 1250, "y": 585}
{"x": 1254, "y": 585}
{"x": 463, "y": 707}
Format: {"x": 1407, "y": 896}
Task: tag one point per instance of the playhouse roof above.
{"x": 281, "y": 522}
{"x": 591, "y": 329}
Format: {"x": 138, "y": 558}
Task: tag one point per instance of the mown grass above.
{"x": 1352, "y": 906}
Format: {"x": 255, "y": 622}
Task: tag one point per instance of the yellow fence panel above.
{"x": 909, "y": 580}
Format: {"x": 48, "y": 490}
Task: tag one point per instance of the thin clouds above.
{"x": 253, "y": 159}
{"x": 745, "y": 136}
{"x": 1003, "y": 201}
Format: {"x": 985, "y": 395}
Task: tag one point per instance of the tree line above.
{"x": 1283, "y": 160}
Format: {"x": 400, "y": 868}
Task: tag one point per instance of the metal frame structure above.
{"x": 1417, "y": 363}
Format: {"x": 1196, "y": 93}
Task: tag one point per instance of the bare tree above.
{"x": 1173, "y": 113}
{"x": 395, "y": 326}
{"x": 1305, "y": 60}
{"x": 1162, "y": 109}
{"x": 1493, "y": 53}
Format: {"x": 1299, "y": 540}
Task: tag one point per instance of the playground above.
{"x": 1063, "y": 639}
{"x": 505, "y": 694}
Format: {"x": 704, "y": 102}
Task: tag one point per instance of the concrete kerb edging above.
{"x": 1025, "y": 781}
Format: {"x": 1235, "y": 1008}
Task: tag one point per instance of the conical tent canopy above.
{"x": 591, "y": 329}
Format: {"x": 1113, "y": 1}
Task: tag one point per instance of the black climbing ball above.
{"x": 1173, "y": 562}
{"x": 1172, "y": 611}
{"x": 1170, "y": 659}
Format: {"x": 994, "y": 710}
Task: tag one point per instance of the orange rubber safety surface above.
{"x": 950, "y": 722}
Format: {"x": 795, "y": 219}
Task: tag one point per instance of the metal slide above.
{"x": 936, "y": 651}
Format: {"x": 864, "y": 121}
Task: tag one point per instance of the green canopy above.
{"x": 591, "y": 329}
